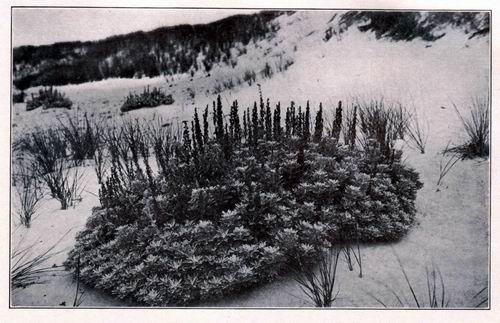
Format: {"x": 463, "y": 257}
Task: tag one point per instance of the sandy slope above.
{"x": 453, "y": 222}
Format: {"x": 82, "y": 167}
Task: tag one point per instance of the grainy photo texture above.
{"x": 250, "y": 158}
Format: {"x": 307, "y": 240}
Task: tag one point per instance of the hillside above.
{"x": 186, "y": 48}
{"x": 168, "y": 50}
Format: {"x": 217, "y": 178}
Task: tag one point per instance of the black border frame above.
{"x": 490, "y": 11}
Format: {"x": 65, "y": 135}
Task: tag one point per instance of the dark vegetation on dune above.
{"x": 407, "y": 26}
{"x": 173, "y": 50}
{"x": 168, "y": 50}
{"x": 18, "y": 96}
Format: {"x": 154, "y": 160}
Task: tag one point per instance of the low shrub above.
{"x": 218, "y": 87}
{"x": 224, "y": 84}
{"x": 267, "y": 71}
{"x": 249, "y": 76}
{"x": 48, "y": 98}
{"x": 283, "y": 64}
{"x": 191, "y": 92}
{"x": 146, "y": 99}
{"x": 18, "y": 96}
{"x": 228, "y": 83}
{"x": 230, "y": 211}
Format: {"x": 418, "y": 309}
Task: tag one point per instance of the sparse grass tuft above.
{"x": 476, "y": 126}
{"x": 82, "y": 134}
{"x": 481, "y": 298}
{"x": 28, "y": 270}
{"x": 29, "y": 191}
{"x": 400, "y": 119}
{"x": 65, "y": 184}
{"x": 377, "y": 122}
{"x": 318, "y": 284}
{"x": 446, "y": 165}
{"x": 79, "y": 293}
{"x": 45, "y": 150}
{"x": 43, "y": 147}
{"x": 436, "y": 296}
{"x": 349, "y": 125}
{"x": 417, "y": 133}
{"x": 162, "y": 139}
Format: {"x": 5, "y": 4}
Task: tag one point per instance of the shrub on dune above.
{"x": 48, "y": 98}
{"x": 230, "y": 211}
{"x": 146, "y": 99}
{"x": 18, "y": 96}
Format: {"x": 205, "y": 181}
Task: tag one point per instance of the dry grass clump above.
{"x": 46, "y": 151}
{"x": 27, "y": 269}
{"x": 318, "y": 283}
{"x": 417, "y": 132}
{"x": 384, "y": 122}
{"x": 476, "y": 126}
{"x": 435, "y": 294}
{"x": 29, "y": 191}
{"x": 82, "y": 135}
